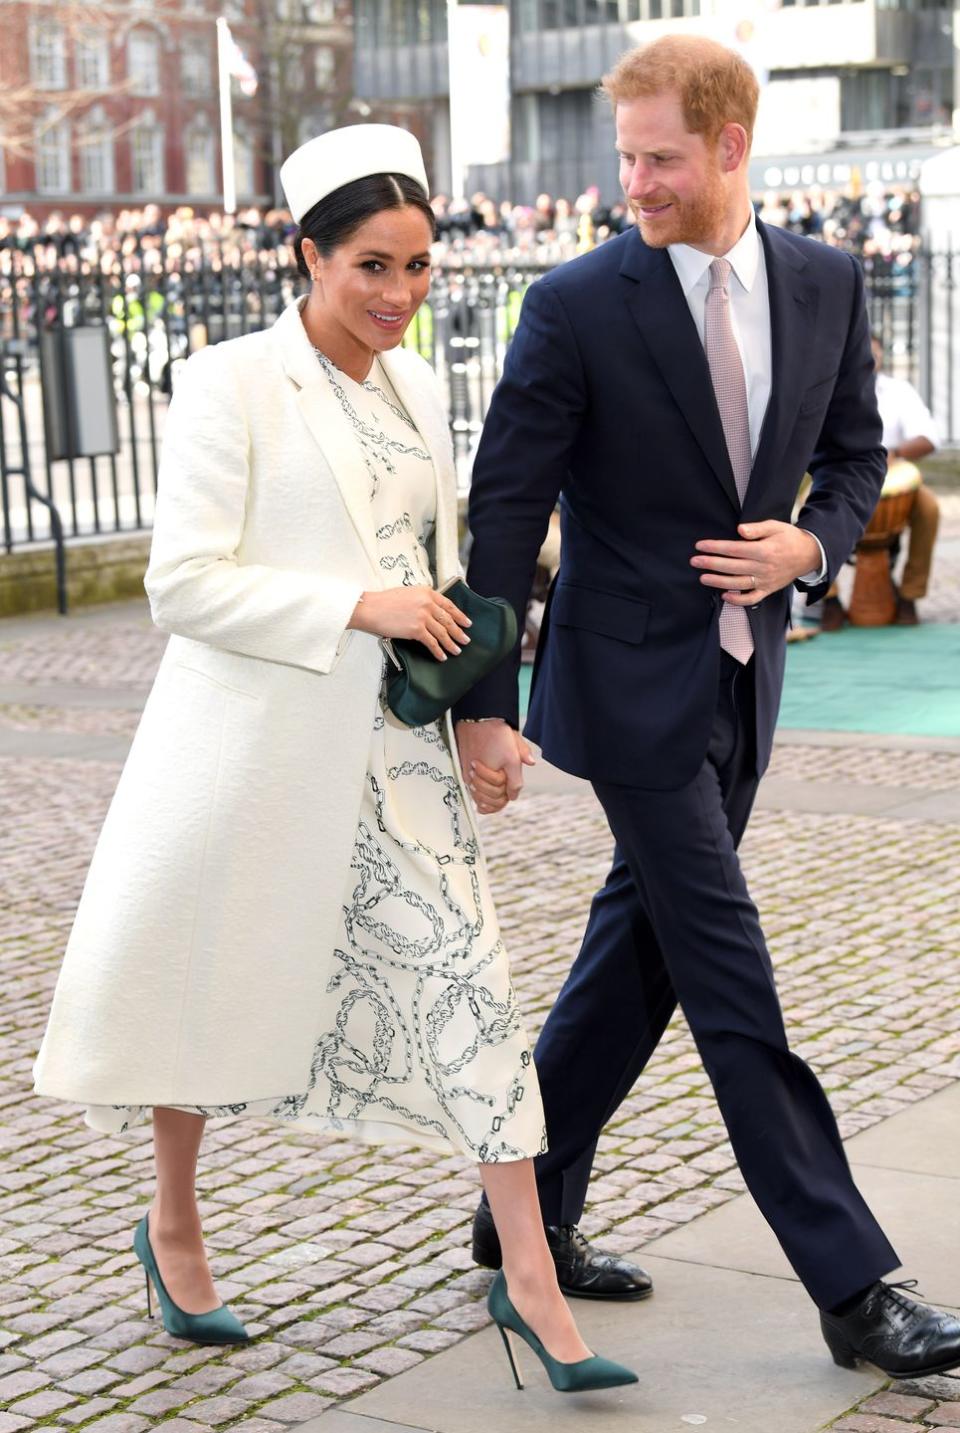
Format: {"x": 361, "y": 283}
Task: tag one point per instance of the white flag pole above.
{"x": 224, "y": 49}
{"x": 457, "y": 174}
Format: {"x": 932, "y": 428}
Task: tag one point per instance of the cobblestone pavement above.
{"x": 351, "y": 1263}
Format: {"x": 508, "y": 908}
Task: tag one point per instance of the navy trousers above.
{"x": 674, "y": 923}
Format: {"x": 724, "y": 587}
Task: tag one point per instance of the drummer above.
{"x": 909, "y": 434}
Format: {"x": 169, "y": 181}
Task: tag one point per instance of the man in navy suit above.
{"x": 671, "y": 388}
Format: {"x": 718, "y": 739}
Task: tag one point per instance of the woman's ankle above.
{"x": 175, "y": 1223}
{"x": 532, "y": 1280}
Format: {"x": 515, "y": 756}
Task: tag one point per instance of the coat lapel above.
{"x": 328, "y": 425}
{"x": 793, "y": 313}
{"x": 662, "y": 314}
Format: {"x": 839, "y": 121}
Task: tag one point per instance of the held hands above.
{"x": 418, "y": 612}
{"x": 772, "y": 555}
{"x": 493, "y": 756}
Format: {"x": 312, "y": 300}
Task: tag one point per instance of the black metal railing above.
{"x": 159, "y": 304}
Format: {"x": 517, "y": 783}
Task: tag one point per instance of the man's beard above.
{"x": 689, "y": 221}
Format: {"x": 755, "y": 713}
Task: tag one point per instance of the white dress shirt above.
{"x": 750, "y": 320}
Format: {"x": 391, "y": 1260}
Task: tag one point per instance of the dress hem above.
{"x": 108, "y": 1119}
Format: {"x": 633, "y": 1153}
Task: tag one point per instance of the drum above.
{"x": 874, "y": 601}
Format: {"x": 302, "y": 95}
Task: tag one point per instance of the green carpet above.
{"x": 888, "y": 680}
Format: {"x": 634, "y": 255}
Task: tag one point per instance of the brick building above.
{"x": 114, "y": 104}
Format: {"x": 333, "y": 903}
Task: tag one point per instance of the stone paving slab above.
{"x": 60, "y": 695}
{"x": 778, "y": 793}
{"x": 926, "y": 1145}
{"x": 919, "y": 1209}
{"x": 342, "y": 1420}
{"x": 56, "y": 745}
{"x": 713, "y": 1348}
{"x": 846, "y": 742}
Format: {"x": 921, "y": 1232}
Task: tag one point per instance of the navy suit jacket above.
{"x": 606, "y": 402}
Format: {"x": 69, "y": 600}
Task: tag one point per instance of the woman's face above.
{"x": 371, "y": 286}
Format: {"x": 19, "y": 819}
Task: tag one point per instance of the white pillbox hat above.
{"x": 340, "y": 156}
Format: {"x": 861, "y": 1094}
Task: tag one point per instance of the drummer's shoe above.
{"x": 894, "y": 1333}
{"x": 906, "y": 613}
{"x": 832, "y": 615}
{"x": 582, "y": 1271}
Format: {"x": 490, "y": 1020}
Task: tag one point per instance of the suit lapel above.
{"x": 662, "y": 314}
{"x": 793, "y": 312}
{"x": 328, "y": 425}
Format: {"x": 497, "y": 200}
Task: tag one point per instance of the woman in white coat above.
{"x": 287, "y": 913}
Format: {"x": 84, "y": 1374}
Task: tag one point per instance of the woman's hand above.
{"x": 418, "y": 612}
{"x": 492, "y": 755}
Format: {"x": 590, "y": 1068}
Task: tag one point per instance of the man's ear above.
{"x": 733, "y": 146}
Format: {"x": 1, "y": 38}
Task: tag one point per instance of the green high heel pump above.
{"x": 217, "y": 1326}
{"x": 579, "y": 1377}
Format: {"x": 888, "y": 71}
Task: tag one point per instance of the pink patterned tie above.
{"x": 729, "y": 385}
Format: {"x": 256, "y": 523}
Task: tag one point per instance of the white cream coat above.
{"x": 201, "y": 948}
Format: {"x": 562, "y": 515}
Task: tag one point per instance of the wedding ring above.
{"x": 753, "y": 580}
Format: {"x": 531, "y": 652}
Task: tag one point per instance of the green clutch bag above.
{"x": 419, "y": 688}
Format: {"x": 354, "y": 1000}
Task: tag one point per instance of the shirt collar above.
{"x": 744, "y": 259}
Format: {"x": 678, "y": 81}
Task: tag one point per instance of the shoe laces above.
{"x": 573, "y": 1233}
{"x": 891, "y": 1293}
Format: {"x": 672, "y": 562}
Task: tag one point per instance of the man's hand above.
{"x": 493, "y": 756}
{"x": 772, "y": 555}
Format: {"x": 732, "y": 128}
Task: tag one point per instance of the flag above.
{"x": 238, "y": 66}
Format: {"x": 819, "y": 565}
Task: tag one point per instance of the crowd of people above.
{"x": 880, "y": 224}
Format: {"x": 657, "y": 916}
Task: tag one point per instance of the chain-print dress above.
{"x": 420, "y": 1040}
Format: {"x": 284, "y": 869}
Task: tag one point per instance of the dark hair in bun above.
{"x": 340, "y": 214}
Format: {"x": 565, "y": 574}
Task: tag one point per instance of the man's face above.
{"x": 673, "y": 180}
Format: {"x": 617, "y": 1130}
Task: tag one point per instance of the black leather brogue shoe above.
{"x": 899, "y": 1336}
{"x": 582, "y": 1271}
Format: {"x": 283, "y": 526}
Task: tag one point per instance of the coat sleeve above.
{"x": 196, "y": 583}
{"x": 521, "y": 463}
{"x": 849, "y": 463}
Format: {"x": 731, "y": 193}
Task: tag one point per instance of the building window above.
{"x": 143, "y": 62}
{"x": 324, "y": 67}
{"x": 199, "y": 150}
{"x": 318, "y": 121}
{"x": 196, "y": 66}
{"x": 48, "y": 55}
{"x": 52, "y": 153}
{"x": 561, "y": 14}
{"x": 95, "y": 148}
{"x": 146, "y": 155}
{"x": 93, "y": 60}
{"x": 243, "y": 162}
{"x": 305, "y": 12}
